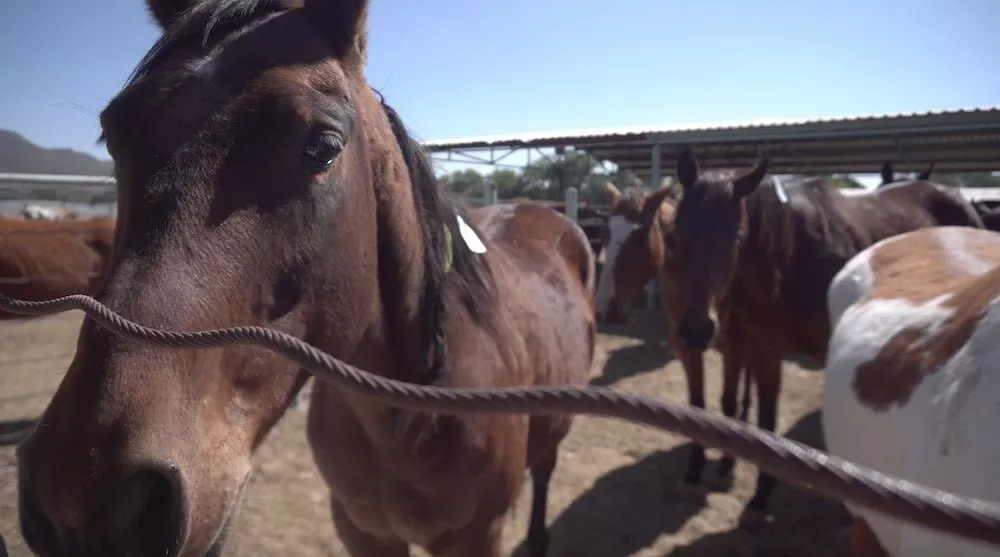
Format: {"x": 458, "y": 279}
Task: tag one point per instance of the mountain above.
{"x": 17, "y": 154}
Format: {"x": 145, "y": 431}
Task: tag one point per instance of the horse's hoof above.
{"x": 725, "y": 469}
{"x": 538, "y": 545}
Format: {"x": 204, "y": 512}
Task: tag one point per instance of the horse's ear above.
{"x": 651, "y": 205}
{"x": 746, "y": 184}
{"x": 926, "y": 175}
{"x": 888, "y": 174}
{"x": 345, "y": 24}
{"x": 613, "y": 192}
{"x": 687, "y": 168}
{"x": 166, "y": 12}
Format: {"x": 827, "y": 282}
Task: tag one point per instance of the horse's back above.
{"x": 530, "y": 230}
{"x": 545, "y": 272}
{"x": 943, "y": 205}
{"x": 909, "y": 385}
{"x": 38, "y": 265}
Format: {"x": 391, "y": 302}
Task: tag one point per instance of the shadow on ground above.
{"x": 625, "y": 510}
{"x": 803, "y": 521}
{"x": 13, "y": 432}
{"x": 628, "y": 361}
{"x": 643, "y": 324}
{"x": 630, "y": 507}
{"x": 805, "y": 362}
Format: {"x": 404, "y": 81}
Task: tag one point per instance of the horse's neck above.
{"x": 397, "y": 332}
{"x": 762, "y": 259}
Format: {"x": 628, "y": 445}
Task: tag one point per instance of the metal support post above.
{"x": 572, "y": 203}
{"x": 653, "y": 286}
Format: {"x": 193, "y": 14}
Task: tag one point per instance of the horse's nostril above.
{"x": 699, "y": 336}
{"x": 148, "y": 516}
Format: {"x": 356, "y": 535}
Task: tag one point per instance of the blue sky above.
{"x": 474, "y": 67}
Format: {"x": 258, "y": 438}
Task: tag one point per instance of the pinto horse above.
{"x": 770, "y": 253}
{"x": 640, "y": 247}
{"x": 262, "y": 182}
{"x": 912, "y": 385}
{"x": 40, "y": 260}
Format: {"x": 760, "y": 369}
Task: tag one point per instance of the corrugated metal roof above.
{"x": 957, "y": 140}
{"x": 645, "y": 130}
{"x": 55, "y": 178}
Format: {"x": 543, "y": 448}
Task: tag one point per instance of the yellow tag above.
{"x": 449, "y": 253}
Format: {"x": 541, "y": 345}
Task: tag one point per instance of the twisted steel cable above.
{"x": 784, "y": 458}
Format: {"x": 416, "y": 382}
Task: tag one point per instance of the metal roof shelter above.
{"x": 965, "y": 140}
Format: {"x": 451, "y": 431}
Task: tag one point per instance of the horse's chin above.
{"x": 222, "y": 536}
{"x": 215, "y": 550}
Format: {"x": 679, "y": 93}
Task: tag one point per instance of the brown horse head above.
{"x": 708, "y": 229}
{"x": 635, "y": 249}
{"x": 260, "y": 182}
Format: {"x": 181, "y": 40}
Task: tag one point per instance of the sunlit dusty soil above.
{"x": 614, "y": 493}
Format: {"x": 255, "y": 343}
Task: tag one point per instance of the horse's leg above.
{"x": 694, "y": 370}
{"x": 538, "y": 534}
{"x": 863, "y": 541}
{"x": 360, "y": 543}
{"x": 767, "y": 371}
{"x": 732, "y": 365}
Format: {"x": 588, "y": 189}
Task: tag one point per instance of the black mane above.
{"x": 208, "y": 22}
{"x": 470, "y": 275}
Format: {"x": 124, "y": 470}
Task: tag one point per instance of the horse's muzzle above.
{"x": 145, "y": 514}
{"x": 696, "y": 334}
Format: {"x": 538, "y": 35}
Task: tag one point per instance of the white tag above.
{"x": 779, "y": 190}
{"x": 469, "y": 235}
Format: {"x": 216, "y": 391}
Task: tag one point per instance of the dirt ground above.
{"x": 614, "y": 493}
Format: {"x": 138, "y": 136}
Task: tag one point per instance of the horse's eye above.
{"x": 323, "y": 149}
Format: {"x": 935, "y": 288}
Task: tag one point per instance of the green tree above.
{"x": 508, "y": 183}
{"x": 466, "y": 182}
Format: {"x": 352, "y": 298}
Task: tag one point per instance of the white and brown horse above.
{"x": 912, "y": 384}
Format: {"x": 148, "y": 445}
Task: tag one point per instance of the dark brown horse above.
{"x": 40, "y": 260}
{"x": 889, "y": 174}
{"x": 262, "y": 182}
{"x": 639, "y": 236}
{"x": 768, "y": 255}
{"x": 990, "y": 215}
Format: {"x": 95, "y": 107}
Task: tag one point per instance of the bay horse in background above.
{"x": 989, "y": 215}
{"x": 770, "y": 253}
{"x": 912, "y": 386}
{"x": 640, "y": 246}
{"x": 261, "y": 181}
{"x": 888, "y": 174}
{"x": 41, "y": 260}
